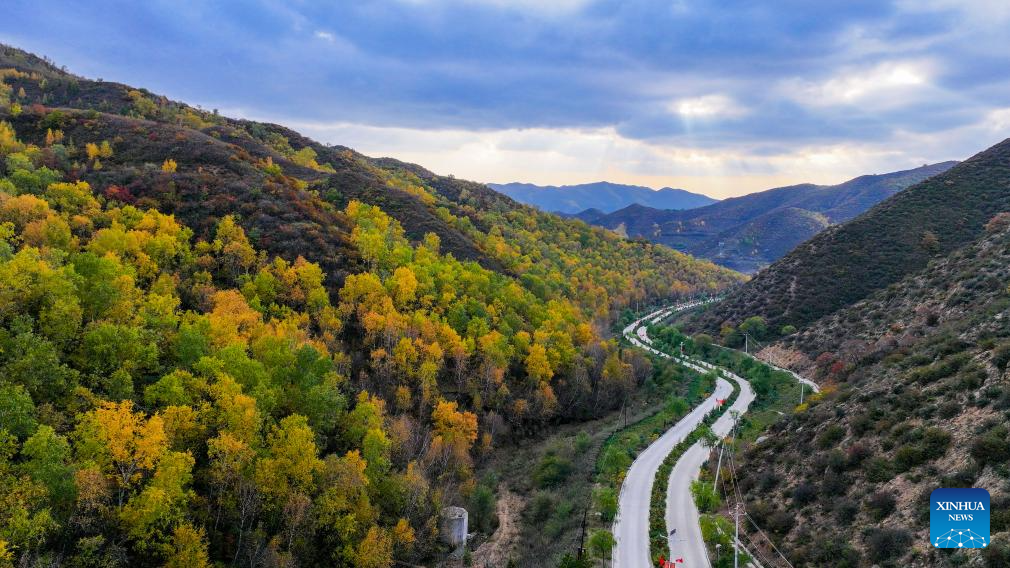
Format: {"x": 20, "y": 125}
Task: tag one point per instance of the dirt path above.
{"x": 497, "y": 550}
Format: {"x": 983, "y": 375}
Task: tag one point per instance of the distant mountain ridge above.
{"x": 892, "y": 240}
{"x": 603, "y": 195}
{"x": 748, "y": 232}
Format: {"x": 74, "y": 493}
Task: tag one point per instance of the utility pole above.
{"x": 736, "y": 538}
{"x": 736, "y": 512}
{"x": 802, "y": 385}
{"x": 582, "y": 538}
{"x": 718, "y": 467}
{"x": 746, "y": 343}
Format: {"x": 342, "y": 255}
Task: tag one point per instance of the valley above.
{"x": 750, "y": 232}
{"x": 258, "y": 309}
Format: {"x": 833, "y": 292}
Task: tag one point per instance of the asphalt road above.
{"x": 631, "y": 527}
{"x": 681, "y": 513}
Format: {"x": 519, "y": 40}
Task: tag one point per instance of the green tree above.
{"x": 754, "y": 326}
{"x": 48, "y": 462}
{"x": 17, "y": 411}
{"x": 601, "y": 543}
{"x": 291, "y": 463}
{"x": 606, "y": 503}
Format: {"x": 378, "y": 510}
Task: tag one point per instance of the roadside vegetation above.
{"x": 658, "y": 531}
{"x": 776, "y": 392}
{"x": 575, "y": 473}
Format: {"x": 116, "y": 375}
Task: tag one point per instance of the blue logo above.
{"x": 959, "y": 518}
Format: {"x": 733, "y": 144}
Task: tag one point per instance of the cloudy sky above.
{"x": 718, "y": 97}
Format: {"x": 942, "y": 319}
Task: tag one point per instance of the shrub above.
{"x": 881, "y": 504}
{"x": 834, "y": 483}
{"x": 830, "y": 436}
{"x": 540, "y": 508}
{"x": 878, "y": 470}
{"x": 569, "y": 561}
{"x": 997, "y": 555}
{"x": 855, "y": 454}
{"x": 1001, "y": 356}
{"x": 705, "y": 496}
{"x": 834, "y": 551}
{"x": 614, "y": 461}
{"x": 845, "y": 511}
{"x": 606, "y": 503}
{"x": 804, "y": 493}
{"x": 935, "y": 442}
{"x": 552, "y": 470}
{"x": 887, "y": 543}
{"x": 949, "y": 410}
{"x": 482, "y": 505}
{"x": 992, "y": 446}
{"x": 780, "y": 522}
{"x": 582, "y": 442}
{"x": 716, "y": 529}
{"x": 561, "y": 517}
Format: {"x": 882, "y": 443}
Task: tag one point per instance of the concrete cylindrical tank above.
{"x": 454, "y": 526}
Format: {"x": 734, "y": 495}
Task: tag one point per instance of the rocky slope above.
{"x": 917, "y": 398}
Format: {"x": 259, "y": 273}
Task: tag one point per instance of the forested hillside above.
{"x": 223, "y": 342}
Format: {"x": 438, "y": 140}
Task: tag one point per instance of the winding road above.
{"x": 681, "y": 512}
{"x": 631, "y": 527}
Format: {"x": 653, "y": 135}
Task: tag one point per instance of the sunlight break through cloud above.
{"x": 559, "y": 156}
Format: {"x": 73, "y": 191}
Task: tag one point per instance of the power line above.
{"x": 732, "y": 466}
{"x": 755, "y": 550}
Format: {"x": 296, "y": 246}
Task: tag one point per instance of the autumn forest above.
{"x": 222, "y": 342}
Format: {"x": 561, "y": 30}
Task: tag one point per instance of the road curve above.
{"x": 681, "y": 512}
{"x": 631, "y": 527}
{"x": 813, "y": 386}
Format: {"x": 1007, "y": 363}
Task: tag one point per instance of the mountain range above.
{"x": 603, "y": 196}
{"x": 901, "y": 315}
{"x": 748, "y": 232}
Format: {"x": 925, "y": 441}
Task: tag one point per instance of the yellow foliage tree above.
{"x": 375, "y": 551}
{"x": 189, "y": 548}
{"x": 454, "y": 427}
{"x": 537, "y": 364}
{"x": 122, "y": 441}
{"x": 9, "y": 139}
